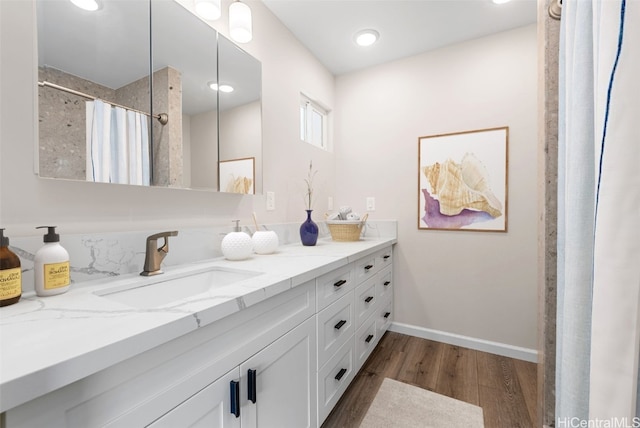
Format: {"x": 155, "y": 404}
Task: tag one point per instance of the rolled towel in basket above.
{"x": 353, "y": 216}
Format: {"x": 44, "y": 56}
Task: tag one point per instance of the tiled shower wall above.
{"x": 548, "y": 45}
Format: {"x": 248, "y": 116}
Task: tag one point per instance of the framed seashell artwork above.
{"x": 462, "y": 180}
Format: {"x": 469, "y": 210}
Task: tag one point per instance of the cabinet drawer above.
{"x": 333, "y": 380}
{"x": 333, "y": 285}
{"x": 366, "y": 300}
{"x": 335, "y": 327}
{"x": 384, "y": 258}
{"x": 384, "y": 284}
{"x": 384, "y": 317}
{"x": 365, "y": 268}
{"x": 366, "y": 339}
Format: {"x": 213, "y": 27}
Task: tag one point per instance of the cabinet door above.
{"x": 281, "y": 389}
{"x": 209, "y": 408}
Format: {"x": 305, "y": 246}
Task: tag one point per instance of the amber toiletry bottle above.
{"x": 10, "y": 274}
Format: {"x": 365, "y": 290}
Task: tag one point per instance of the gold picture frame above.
{"x": 463, "y": 180}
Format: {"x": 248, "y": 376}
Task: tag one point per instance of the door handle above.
{"x": 251, "y": 385}
{"x": 235, "y": 398}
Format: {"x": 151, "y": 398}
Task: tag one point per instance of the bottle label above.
{"x": 56, "y": 275}
{"x": 10, "y": 283}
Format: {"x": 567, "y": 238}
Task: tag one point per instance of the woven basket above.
{"x": 346, "y": 230}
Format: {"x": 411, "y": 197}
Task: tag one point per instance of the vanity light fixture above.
{"x": 240, "y": 22}
{"x": 208, "y": 9}
{"x": 90, "y": 5}
{"x": 366, "y": 37}
{"x": 222, "y": 88}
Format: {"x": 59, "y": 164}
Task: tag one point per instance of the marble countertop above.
{"x": 50, "y": 342}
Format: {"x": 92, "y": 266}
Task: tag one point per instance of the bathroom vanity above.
{"x": 277, "y": 347}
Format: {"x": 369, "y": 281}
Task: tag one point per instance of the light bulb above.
{"x": 208, "y": 9}
{"x": 240, "y": 22}
{"x": 366, "y": 37}
{"x": 222, "y": 88}
{"x": 90, "y": 5}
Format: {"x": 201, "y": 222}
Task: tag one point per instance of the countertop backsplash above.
{"x": 101, "y": 255}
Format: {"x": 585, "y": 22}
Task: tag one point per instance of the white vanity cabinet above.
{"x": 140, "y": 391}
{"x": 275, "y": 387}
{"x": 351, "y": 322}
{"x": 283, "y": 362}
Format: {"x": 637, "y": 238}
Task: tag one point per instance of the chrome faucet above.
{"x": 154, "y": 255}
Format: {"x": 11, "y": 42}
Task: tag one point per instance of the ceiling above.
{"x": 406, "y": 27}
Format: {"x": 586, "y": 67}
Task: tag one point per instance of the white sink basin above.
{"x": 164, "y": 289}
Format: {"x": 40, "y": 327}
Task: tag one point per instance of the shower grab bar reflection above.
{"x": 163, "y": 118}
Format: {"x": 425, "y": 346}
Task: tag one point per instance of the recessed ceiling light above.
{"x": 208, "y": 9}
{"x": 366, "y": 37}
{"x": 500, "y": 1}
{"x": 222, "y": 88}
{"x": 89, "y": 5}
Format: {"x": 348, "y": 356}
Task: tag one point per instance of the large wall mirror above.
{"x": 130, "y": 94}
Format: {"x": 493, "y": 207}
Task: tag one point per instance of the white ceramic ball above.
{"x": 236, "y": 246}
{"x": 265, "y": 241}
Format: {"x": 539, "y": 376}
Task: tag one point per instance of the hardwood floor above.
{"x": 505, "y": 388}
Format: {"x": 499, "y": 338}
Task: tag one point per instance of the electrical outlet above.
{"x": 330, "y": 203}
{"x": 371, "y": 203}
{"x": 271, "y": 201}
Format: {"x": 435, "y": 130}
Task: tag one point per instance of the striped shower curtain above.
{"x": 598, "y": 323}
{"x": 117, "y": 145}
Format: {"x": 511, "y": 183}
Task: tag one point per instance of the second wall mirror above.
{"x": 130, "y": 94}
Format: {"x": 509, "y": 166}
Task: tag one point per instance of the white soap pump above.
{"x": 236, "y": 245}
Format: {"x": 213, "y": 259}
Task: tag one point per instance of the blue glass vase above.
{"x": 309, "y": 231}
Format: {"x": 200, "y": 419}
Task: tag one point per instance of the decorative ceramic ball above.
{"x": 236, "y": 246}
{"x": 265, "y": 241}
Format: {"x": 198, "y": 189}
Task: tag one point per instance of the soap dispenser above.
{"x": 10, "y": 273}
{"x": 51, "y": 265}
{"x": 236, "y": 245}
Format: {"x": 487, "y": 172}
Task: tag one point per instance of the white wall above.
{"x": 481, "y": 285}
{"x": 476, "y": 284}
{"x": 27, "y": 201}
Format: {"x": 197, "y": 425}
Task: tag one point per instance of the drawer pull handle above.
{"x": 387, "y": 283}
{"x": 251, "y": 385}
{"x": 367, "y": 267}
{"x": 386, "y": 314}
{"x": 340, "y": 374}
{"x": 340, "y": 324}
{"x": 368, "y": 339}
{"x": 340, "y": 283}
{"x": 386, "y": 256}
{"x": 235, "y": 398}
{"x": 368, "y": 299}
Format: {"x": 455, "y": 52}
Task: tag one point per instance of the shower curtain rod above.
{"x": 163, "y": 118}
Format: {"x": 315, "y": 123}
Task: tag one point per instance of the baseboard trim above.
{"x": 503, "y": 349}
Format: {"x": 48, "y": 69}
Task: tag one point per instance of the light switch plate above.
{"x": 371, "y": 203}
{"x": 330, "y": 203}
{"x": 271, "y": 201}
